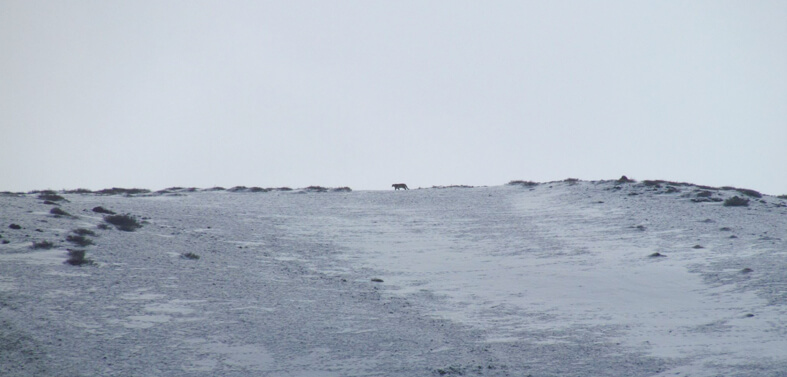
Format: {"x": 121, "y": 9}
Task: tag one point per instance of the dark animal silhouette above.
{"x": 397, "y": 186}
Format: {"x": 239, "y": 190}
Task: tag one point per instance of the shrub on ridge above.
{"x": 79, "y": 240}
{"x": 125, "y": 223}
{"x": 77, "y": 258}
{"x": 59, "y": 212}
{"x": 736, "y": 201}
{"x": 523, "y": 183}
{"x": 46, "y": 245}
{"x": 51, "y": 196}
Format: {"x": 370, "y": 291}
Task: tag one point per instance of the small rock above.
{"x": 656, "y": 255}
{"x": 697, "y": 247}
{"x": 746, "y": 270}
{"x": 14, "y": 226}
{"x": 377, "y": 280}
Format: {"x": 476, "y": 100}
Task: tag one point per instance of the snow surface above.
{"x": 556, "y": 279}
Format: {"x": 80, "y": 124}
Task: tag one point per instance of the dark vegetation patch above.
{"x": 664, "y": 187}
{"x": 178, "y": 188}
{"x": 697, "y": 247}
{"x": 84, "y": 232}
{"x": 257, "y": 189}
{"x": 750, "y": 193}
{"x": 706, "y": 200}
{"x": 725, "y": 229}
{"x": 782, "y": 196}
{"x": 571, "y": 181}
{"x": 217, "y": 188}
{"x": 736, "y": 201}
{"x": 59, "y": 212}
{"x": 319, "y": 189}
{"x": 747, "y": 270}
{"x": 45, "y": 245}
{"x": 671, "y": 190}
{"x": 703, "y": 196}
{"x": 42, "y": 192}
{"x": 12, "y": 194}
{"x": 77, "y": 258}
{"x": 51, "y": 196}
{"x": 100, "y": 209}
{"x": 79, "y": 240}
{"x": 189, "y": 255}
{"x": 658, "y": 183}
{"x": 624, "y": 179}
{"x": 652, "y": 183}
{"x": 78, "y": 191}
{"x": 122, "y": 191}
{"x": 316, "y": 189}
{"x": 523, "y": 183}
{"x": 126, "y": 223}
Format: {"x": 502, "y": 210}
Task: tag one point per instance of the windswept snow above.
{"x": 557, "y": 279}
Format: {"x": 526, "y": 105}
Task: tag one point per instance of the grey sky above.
{"x": 152, "y": 94}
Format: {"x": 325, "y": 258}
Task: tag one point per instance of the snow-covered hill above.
{"x": 567, "y": 278}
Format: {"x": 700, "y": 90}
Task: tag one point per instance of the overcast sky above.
{"x": 153, "y": 94}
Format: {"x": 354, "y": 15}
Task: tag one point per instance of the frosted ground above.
{"x": 556, "y": 279}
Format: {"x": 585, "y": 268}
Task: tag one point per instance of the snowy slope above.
{"x": 554, "y": 279}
